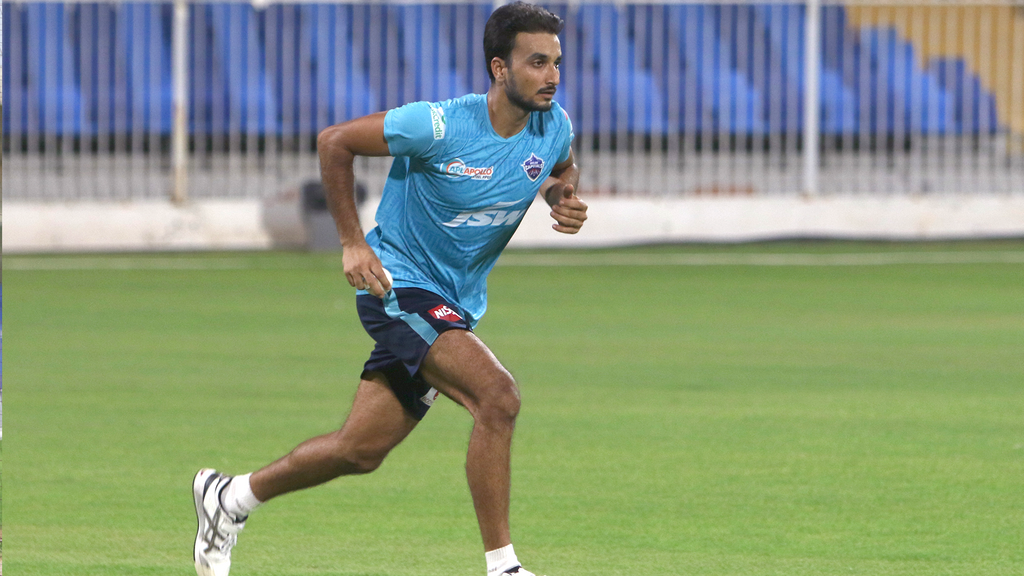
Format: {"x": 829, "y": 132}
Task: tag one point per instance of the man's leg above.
{"x": 376, "y": 424}
{"x": 460, "y": 366}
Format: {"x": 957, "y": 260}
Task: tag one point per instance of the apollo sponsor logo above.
{"x": 438, "y": 121}
{"x": 491, "y": 216}
{"x": 457, "y": 168}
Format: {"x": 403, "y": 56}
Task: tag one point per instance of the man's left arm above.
{"x": 559, "y": 191}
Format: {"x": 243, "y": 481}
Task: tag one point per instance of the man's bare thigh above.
{"x": 463, "y": 368}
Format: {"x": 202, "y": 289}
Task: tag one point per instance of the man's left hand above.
{"x": 570, "y": 212}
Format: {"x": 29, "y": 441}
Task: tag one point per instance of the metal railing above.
{"x": 139, "y": 100}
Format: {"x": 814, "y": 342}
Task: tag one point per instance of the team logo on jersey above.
{"x": 533, "y": 166}
{"x": 437, "y": 120}
{"x": 443, "y": 312}
{"x": 457, "y": 168}
{"x": 491, "y": 216}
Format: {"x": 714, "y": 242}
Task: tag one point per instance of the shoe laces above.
{"x": 228, "y": 543}
{"x": 221, "y": 532}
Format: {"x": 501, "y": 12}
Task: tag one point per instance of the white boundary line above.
{"x": 124, "y": 263}
{"x": 767, "y": 259}
{"x": 562, "y": 259}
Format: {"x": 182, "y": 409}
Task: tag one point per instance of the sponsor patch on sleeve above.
{"x": 438, "y": 121}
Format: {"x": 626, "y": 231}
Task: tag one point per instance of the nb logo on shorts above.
{"x": 443, "y": 312}
{"x": 490, "y": 216}
{"x": 429, "y": 397}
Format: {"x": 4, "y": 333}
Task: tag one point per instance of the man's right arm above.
{"x": 338, "y": 146}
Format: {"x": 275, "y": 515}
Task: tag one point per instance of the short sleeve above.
{"x": 568, "y": 134}
{"x": 415, "y": 130}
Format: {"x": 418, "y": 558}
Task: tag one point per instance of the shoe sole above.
{"x": 199, "y": 486}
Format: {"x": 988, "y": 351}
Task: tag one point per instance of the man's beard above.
{"x": 520, "y": 101}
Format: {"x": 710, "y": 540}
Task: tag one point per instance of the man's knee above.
{"x": 357, "y": 457}
{"x": 500, "y": 401}
{"x": 364, "y": 460}
{"x": 462, "y": 367}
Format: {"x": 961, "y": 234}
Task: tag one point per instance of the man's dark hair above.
{"x": 511, "y": 19}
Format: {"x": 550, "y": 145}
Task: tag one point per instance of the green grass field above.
{"x": 678, "y": 419}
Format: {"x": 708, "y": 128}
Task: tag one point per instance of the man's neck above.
{"x": 507, "y": 119}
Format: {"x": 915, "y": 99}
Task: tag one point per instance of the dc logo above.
{"x": 533, "y": 166}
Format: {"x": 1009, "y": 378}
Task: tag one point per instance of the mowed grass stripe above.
{"x": 765, "y": 259}
{"x": 558, "y": 259}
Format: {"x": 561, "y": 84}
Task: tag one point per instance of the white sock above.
{"x": 501, "y": 560}
{"x": 238, "y": 499}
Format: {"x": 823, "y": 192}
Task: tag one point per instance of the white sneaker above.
{"x": 218, "y": 531}
{"x": 518, "y": 571}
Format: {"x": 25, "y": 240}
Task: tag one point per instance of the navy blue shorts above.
{"x": 405, "y": 324}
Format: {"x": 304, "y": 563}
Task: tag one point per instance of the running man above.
{"x": 465, "y": 172}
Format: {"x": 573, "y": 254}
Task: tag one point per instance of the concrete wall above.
{"x": 280, "y": 223}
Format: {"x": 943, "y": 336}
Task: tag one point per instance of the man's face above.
{"x": 532, "y": 74}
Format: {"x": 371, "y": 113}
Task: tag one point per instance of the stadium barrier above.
{"x": 234, "y": 224}
{"x": 196, "y": 101}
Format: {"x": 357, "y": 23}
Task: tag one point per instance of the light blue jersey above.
{"x": 457, "y": 192}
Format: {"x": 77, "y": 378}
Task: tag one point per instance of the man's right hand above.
{"x": 338, "y": 146}
{"x": 363, "y": 269}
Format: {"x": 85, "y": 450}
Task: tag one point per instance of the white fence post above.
{"x": 179, "y": 65}
{"x": 812, "y": 80}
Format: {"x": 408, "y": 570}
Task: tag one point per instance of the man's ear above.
{"x": 498, "y": 68}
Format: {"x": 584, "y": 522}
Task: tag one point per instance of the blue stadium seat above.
{"x": 140, "y": 30}
{"x": 47, "y": 57}
{"x": 720, "y": 91}
{"x": 235, "y": 35}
